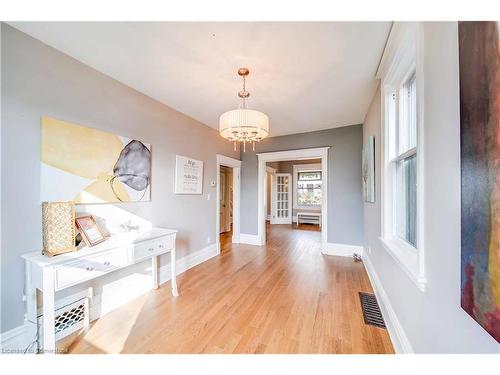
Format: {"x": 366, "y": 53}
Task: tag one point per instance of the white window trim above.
{"x": 303, "y": 168}
{"x": 403, "y": 54}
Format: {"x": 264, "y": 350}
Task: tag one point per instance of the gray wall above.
{"x": 345, "y": 200}
{"x": 38, "y": 80}
{"x": 433, "y": 320}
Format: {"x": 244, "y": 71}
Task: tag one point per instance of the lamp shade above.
{"x": 244, "y": 125}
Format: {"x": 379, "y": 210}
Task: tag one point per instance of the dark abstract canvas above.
{"x": 479, "y": 53}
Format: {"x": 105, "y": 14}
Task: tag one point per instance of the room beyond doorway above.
{"x": 283, "y": 207}
{"x": 225, "y": 200}
{"x": 293, "y": 192}
{"x": 227, "y": 216}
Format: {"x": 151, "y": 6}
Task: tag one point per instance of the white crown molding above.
{"x": 399, "y": 48}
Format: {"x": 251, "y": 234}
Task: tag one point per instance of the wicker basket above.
{"x": 58, "y": 222}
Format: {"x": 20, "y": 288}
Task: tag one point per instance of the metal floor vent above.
{"x": 371, "y": 310}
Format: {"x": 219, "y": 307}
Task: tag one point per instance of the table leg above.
{"x": 49, "y": 337}
{"x": 173, "y": 277}
{"x": 154, "y": 271}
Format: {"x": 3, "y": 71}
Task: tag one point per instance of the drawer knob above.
{"x": 161, "y": 246}
{"x": 151, "y": 249}
{"x": 89, "y": 268}
{"x": 106, "y": 263}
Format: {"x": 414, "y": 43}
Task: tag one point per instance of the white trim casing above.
{"x": 343, "y": 250}
{"x": 250, "y": 239}
{"x": 397, "y": 334}
{"x": 308, "y": 153}
{"x": 236, "y": 165}
{"x": 301, "y": 168}
{"x": 403, "y": 53}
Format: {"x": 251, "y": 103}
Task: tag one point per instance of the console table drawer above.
{"x": 78, "y": 271}
{"x": 151, "y": 248}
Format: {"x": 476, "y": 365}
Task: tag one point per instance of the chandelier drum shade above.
{"x": 244, "y": 125}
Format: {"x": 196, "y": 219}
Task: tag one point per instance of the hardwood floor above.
{"x": 282, "y": 298}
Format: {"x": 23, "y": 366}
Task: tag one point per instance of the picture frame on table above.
{"x": 90, "y": 231}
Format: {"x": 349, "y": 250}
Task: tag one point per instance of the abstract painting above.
{"x": 87, "y": 165}
{"x": 479, "y": 60}
{"x": 368, "y": 170}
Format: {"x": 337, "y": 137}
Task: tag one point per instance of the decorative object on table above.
{"x": 92, "y": 166}
{"x": 58, "y": 228}
{"x": 368, "y": 170}
{"x": 479, "y": 64}
{"x": 89, "y": 230}
{"x": 188, "y": 175}
{"x": 244, "y": 125}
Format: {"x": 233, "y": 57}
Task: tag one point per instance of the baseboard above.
{"x": 189, "y": 261}
{"x": 250, "y": 239}
{"x": 14, "y": 340}
{"x": 396, "y": 332}
{"x": 342, "y": 250}
{"x": 17, "y": 339}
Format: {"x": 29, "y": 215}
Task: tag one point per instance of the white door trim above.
{"x": 271, "y": 172}
{"x": 308, "y": 153}
{"x": 236, "y": 165}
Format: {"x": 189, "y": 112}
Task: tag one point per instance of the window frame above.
{"x": 402, "y": 58}
{"x": 305, "y": 168}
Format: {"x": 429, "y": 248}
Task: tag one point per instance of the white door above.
{"x": 282, "y": 208}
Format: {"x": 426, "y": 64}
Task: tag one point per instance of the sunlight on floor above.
{"x": 120, "y": 329}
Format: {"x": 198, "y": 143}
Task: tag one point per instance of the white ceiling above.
{"x": 304, "y": 76}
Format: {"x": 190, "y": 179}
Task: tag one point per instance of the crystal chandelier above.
{"x": 244, "y": 125}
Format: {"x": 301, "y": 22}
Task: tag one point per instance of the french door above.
{"x": 282, "y": 196}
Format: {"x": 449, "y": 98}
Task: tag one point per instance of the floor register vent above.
{"x": 371, "y": 310}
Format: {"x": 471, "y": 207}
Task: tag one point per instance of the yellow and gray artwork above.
{"x": 87, "y": 165}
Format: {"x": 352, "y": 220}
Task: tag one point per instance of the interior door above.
{"x": 222, "y": 202}
{"x": 282, "y": 208}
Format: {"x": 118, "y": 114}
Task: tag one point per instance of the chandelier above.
{"x": 244, "y": 125}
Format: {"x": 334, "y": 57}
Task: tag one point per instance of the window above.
{"x": 401, "y": 75}
{"x": 405, "y": 162}
{"x": 309, "y": 188}
{"x": 401, "y": 177}
{"x": 307, "y": 181}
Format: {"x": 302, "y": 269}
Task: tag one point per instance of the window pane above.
{"x": 310, "y": 176}
{"x": 309, "y": 188}
{"x": 407, "y": 129}
{"x": 406, "y": 200}
{"x": 309, "y": 196}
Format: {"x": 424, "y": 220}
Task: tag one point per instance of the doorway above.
{"x": 282, "y": 205}
{"x": 225, "y": 203}
{"x": 227, "y": 200}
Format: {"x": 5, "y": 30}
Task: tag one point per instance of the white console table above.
{"x": 51, "y": 274}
